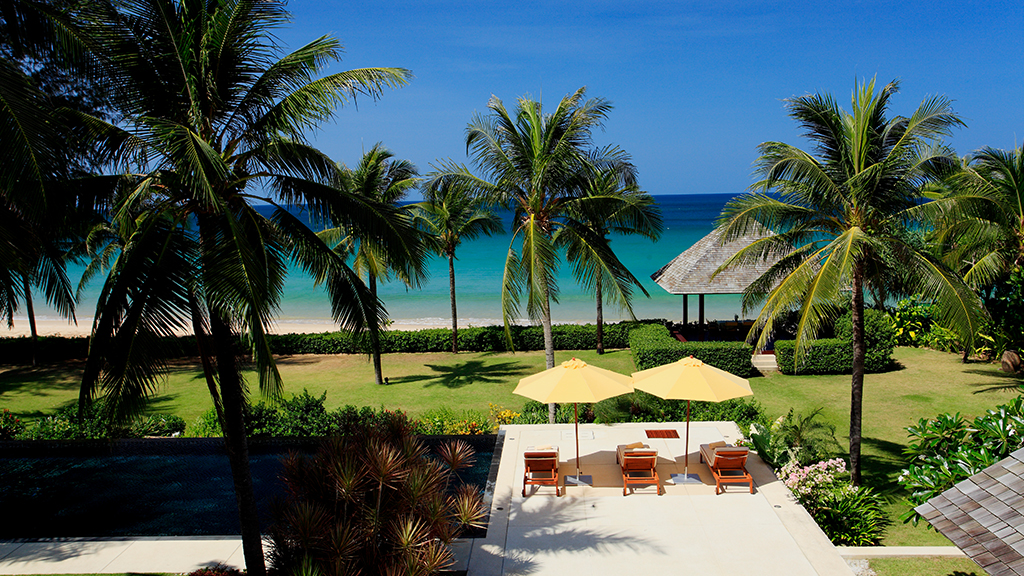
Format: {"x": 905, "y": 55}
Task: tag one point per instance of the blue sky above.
{"x": 695, "y": 85}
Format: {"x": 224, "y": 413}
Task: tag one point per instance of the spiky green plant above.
{"x": 373, "y": 502}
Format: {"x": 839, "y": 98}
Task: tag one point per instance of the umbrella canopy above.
{"x": 691, "y": 379}
{"x": 574, "y": 381}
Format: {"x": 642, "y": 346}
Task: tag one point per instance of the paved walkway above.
{"x": 591, "y": 530}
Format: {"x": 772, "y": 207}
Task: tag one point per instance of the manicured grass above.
{"x": 927, "y": 384}
{"x": 418, "y": 382}
{"x": 923, "y": 566}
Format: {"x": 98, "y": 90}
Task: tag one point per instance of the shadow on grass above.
{"x": 464, "y": 374}
{"x": 42, "y": 379}
{"x": 881, "y": 469}
{"x": 1004, "y": 382}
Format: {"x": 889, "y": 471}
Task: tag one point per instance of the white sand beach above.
{"x": 53, "y": 327}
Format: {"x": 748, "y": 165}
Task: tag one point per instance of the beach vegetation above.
{"x": 385, "y": 180}
{"x": 450, "y": 214}
{"x": 211, "y": 118}
{"x": 612, "y": 203}
{"x": 374, "y": 502}
{"x": 840, "y": 217}
{"x": 533, "y": 163}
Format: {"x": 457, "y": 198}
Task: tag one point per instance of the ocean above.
{"x": 478, "y": 272}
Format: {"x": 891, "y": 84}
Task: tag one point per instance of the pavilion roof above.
{"x": 690, "y": 272}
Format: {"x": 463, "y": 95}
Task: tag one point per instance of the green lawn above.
{"x": 928, "y": 383}
{"x": 925, "y": 566}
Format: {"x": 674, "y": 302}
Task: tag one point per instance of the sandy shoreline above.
{"x": 50, "y": 327}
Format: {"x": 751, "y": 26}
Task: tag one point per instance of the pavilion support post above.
{"x": 703, "y": 335}
{"x": 686, "y": 311}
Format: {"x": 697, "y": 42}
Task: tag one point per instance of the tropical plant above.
{"x": 947, "y": 449}
{"x": 839, "y": 219}
{"x": 208, "y": 109}
{"x": 374, "y": 502}
{"x": 533, "y": 163}
{"x": 382, "y": 179}
{"x": 794, "y": 439}
{"x": 450, "y": 214}
{"x": 612, "y": 203}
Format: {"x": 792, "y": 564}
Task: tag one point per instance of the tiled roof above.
{"x": 984, "y": 516}
{"x": 690, "y": 272}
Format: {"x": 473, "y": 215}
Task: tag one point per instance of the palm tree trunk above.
{"x": 378, "y": 372}
{"x": 857, "y": 382}
{"x": 600, "y": 319}
{"x": 549, "y": 343}
{"x": 236, "y": 444}
{"x": 30, "y": 310}
{"x": 451, "y": 290}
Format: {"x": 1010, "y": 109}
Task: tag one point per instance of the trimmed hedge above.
{"x": 829, "y": 356}
{"x": 653, "y": 346}
{"x": 835, "y": 355}
{"x": 51, "y": 349}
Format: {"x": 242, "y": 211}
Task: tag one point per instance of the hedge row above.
{"x": 835, "y": 355}
{"x": 485, "y": 339}
{"x": 653, "y": 346}
{"x": 829, "y": 356}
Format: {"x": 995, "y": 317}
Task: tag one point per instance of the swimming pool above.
{"x": 158, "y": 487}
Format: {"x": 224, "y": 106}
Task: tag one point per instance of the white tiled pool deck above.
{"x": 591, "y": 530}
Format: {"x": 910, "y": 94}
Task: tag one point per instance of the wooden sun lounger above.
{"x": 541, "y": 469}
{"x": 640, "y": 467}
{"x": 728, "y": 465}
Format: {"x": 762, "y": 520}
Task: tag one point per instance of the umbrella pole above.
{"x": 576, "y": 419}
{"x": 685, "y": 477}
{"x": 686, "y": 457}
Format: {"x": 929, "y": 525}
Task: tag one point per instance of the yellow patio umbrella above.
{"x": 574, "y": 381}
{"x": 691, "y": 379}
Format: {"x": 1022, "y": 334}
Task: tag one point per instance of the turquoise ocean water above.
{"x": 478, "y": 271}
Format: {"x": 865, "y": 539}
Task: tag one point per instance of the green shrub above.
{"x": 157, "y": 425}
{"x": 794, "y": 438}
{"x": 65, "y": 425}
{"x": 652, "y": 346}
{"x": 910, "y": 320}
{"x": 10, "y": 425}
{"x": 206, "y": 425}
{"x": 444, "y": 421}
{"x": 643, "y": 407}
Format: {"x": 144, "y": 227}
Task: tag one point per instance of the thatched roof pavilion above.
{"x": 690, "y": 272}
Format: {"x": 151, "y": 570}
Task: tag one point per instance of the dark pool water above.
{"x": 165, "y": 487}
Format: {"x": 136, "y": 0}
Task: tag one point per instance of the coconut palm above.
{"x": 209, "y": 109}
{"x": 450, "y": 215}
{"x": 613, "y": 203}
{"x": 983, "y": 231}
{"x": 382, "y": 178}
{"x": 532, "y": 163}
{"x": 839, "y": 217}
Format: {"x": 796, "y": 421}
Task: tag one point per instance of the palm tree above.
{"x": 613, "y": 203}
{"x": 208, "y": 111}
{"x": 381, "y": 178}
{"x": 450, "y": 215}
{"x": 533, "y": 163}
{"x": 840, "y": 217}
{"x": 983, "y": 231}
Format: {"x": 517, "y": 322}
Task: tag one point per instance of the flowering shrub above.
{"x": 10, "y": 425}
{"x": 502, "y": 415}
{"x": 849, "y": 516}
{"x": 794, "y": 438}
